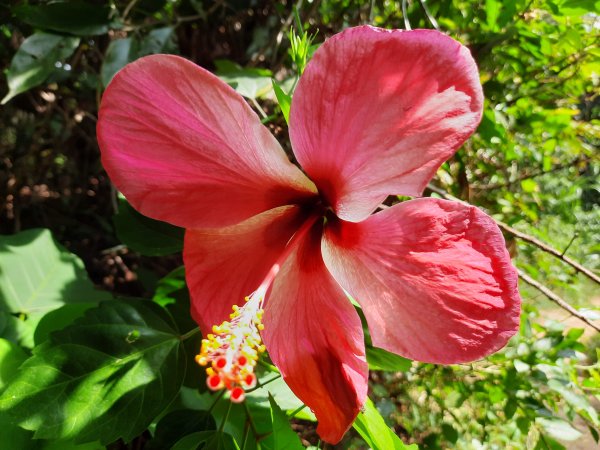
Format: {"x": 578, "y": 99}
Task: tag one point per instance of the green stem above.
{"x": 217, "y": 398}
{"x": 246, "y": 433}
{"x": 189, "y": 334}
{"x": 222, "y": 425}
{"x": 271, "y": 367}
{"x": 264, "y": 384}
{"x": 296, "y": 411}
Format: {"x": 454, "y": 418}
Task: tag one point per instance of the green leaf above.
{"x": 123, "y": 51}
{"x": 284, "y": 438}
{"x": 35, "y": 60}
{"x": 159, "y": 40}
{"x": 284, "y": 100}
{"x": 11, "y": 357}
{"x": 558, "y": 428}
{"x": 249, "y": 82}
{"x": 221, "y": 441}
{"x": 37, "y": 275}
{"x": 176, "y": 425}
{"x": 13, "y": 437}
{"x": 450, "y": 433}
{"x": 372, "y": 428}
{"x": 117, "y": 55}
{"x": 105, "y": 377}
{"x": 380, "y": 359}
{"x": 169, "y": 286}
{"x": 193, "y": 441}
{"x": 578, "y": 7}
{"x": 72, "y": 17}
{"x": 492, "y": 12}
{"x": 59, "y": 319}
{"x": 529, "y": 186}
{"x": 144, "y": 235}
{"x": 209, "y": 440}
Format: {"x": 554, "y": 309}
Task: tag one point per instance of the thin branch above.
{"x": 555, "y": 298}
{"x": 128, "y": 9}
{"x": 551, "y": 250}
{"x": 428, "y": 14}
{"x": 531, "y": 174}
{"x": 258, "y": 108}
{"x": 405, "y": 15}
{"x": 530, "y": 239}
{"x": 526, "y": 278}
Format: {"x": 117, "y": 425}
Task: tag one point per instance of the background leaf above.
{"x": 37, "y": 275}
{"x": 144, "y": 235}
{"x": 380, "y": 359}
{"x": 284, "y": 438}
{"x": 102, "y": 378}
{"x": 35, "y": 61}
{"x": 74, "y": 17}
{"x": 371, "y": 426}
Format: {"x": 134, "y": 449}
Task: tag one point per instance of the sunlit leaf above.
{"x": 284, "y": 437}
{"x": 249, "y": 82}
{"x": 380, "y": 359}
{"x": 105, "y": 377}
{"x": 11, "y": 357}
{"x": 37, "y": 275}
{"x": 284, "y": 100}
{"x": 558, "y": 428}
{"x": 373, "y": 429}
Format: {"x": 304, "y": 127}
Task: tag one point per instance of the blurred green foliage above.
{"x": 533, "y": 164}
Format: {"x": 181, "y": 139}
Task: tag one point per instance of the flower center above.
{"x": 230, "y": 353}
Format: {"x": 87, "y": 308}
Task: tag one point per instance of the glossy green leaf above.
{"x": 35, "y": 61}
{"x": 13, "y": 437}
{"x": 125, "y": 50}
{"x": 249, "y": 82}
{"x": 105, "y": 377}
{"x": 578, "y": 7}
{"x": 373, "y": 429}
{"x": 144, "y": 235}
{"x": 558, "y": 428}
{"x": 207, "y": 440}
{"x": 284, "y": 100}
{"x": 284, "y": 438}
{"x": 38, "y": 275}
{"x": 11, "y": 357}
{"x": 193, "y": 441}
{"x": 178, "y": 424}
{"x": 159, "y": 40}
{"x": 74, "y": 17}
{"x": 58, "y": 319}
{"x": 380, "y": 359}
{"x": 116, "y": 56}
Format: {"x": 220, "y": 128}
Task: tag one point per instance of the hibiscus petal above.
{"x": 185, "y": 148}
{"x": 376, "y": 112}
{"x": 225, "y": 265}
{"x": 433, "y": 277}
{"x": 314, "y": 335}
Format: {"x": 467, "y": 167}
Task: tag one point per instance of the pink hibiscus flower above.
{"x": 375, "y": 113}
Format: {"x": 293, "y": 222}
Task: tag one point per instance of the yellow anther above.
{"x": 231, "y": 351}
